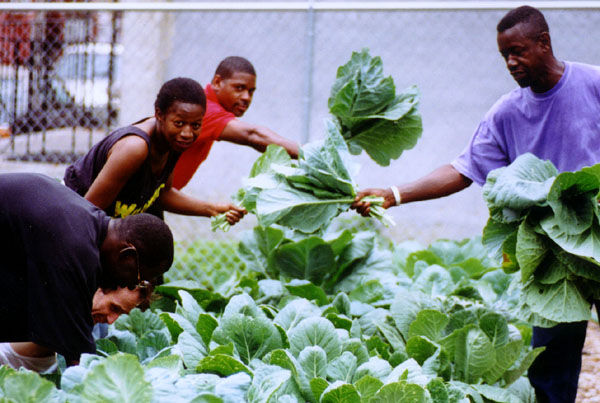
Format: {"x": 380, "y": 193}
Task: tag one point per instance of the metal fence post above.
{"x": 310, "y": 44}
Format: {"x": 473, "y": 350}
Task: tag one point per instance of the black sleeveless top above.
{"x": 142, "y": 189}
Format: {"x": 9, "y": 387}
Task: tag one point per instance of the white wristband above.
{"x": 396, "y": 193}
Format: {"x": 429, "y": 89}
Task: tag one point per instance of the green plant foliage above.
{"x": 393, "y": 338}
{"x": 546, "y": 226}
{"x": 372, "y": 117}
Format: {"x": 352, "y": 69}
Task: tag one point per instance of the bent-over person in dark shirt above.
{"x": 57, "y": 249}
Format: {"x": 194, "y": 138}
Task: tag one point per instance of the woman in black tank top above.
{"x": 130, "y": 170}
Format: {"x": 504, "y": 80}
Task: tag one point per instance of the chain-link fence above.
{"x": 69, "y": 76}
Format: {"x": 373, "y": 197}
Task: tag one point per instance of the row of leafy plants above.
{"x": 401, "y": 324}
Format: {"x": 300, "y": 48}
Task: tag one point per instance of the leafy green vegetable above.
{"x": 306, "y": 195}
{"x": 219, "y": 222}
{"x": 389, "y": 337}
{"x": 372, "y": 117}
{"x": 546, "y": 225}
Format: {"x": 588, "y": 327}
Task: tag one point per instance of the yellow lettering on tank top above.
{"x": 124, "y": 210}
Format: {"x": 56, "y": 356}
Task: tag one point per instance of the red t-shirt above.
{"x": 213, "y": 124}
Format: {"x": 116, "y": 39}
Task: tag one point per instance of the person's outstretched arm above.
{"x": 175, "y": 201}
{"x": 443, "y": 181}
{"x": 257, "y": 137}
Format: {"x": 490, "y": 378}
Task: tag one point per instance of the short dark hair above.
{"x": 152, "y": 239}
{"x": 234, "y": 64}
{"x": 526, "y": 14}
{"x": 180, "y": 89}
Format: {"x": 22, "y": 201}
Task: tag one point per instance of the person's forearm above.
{"x": 175, "y": 201}
{"x": 30, "y": 349}
{"x": 261, "y": 137}
{"x": 441, "y": 182}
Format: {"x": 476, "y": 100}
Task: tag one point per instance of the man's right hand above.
{"x": 364, "y": 207}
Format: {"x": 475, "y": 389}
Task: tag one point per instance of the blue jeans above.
{"x": 555, "y": 372}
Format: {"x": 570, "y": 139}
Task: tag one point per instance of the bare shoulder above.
{"x": 130, "y": 146}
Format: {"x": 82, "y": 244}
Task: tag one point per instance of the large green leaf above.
{"x": 340, "y": 392}
{"x": 274, "y": 154}
{"x": 360, "y": 88}
{"x": 313, "y": 361}
{"x": 531, "y": 249}
{"x": 205, "y": 327}
{"x": 420, "y": 348}
{"x": 375, "y": 367}
{"x": 257, "y": 246}
{"x": 506, "y": 356}
{"x": 18, "y": 386}
{"x": 268, "y": 379}
{"x": 586, "y": 268}
{"x": 392, "y": 336}
{"x": 120, "y": 378}
{"x": 252, "y": 337}
{"x": 152, "y": 345}
{"x": 495, "y": 234}
{"x": 367, "y": 386}
{"x": 139, "y": 322}
{"x": 310, "y": 259}
{"x": 572, "y": 198}
{"x": 343, "y": 367}
{"x": 400, "y": 392}
{"x": 438, "y": 391}
{"x": 315, "y": 331}
{"x": 496, "y": 394}
{"x": 429, "y": 323}
{"x": 515, "y": 373}
{"x": 328, "y": 161}
{"x": 406, "y": 306}
{"x": 495, "y": 326}
{"x": 552, "y": 270}
{"x": 357, "y": 348}
{"x": 522, "y": 184}
{"x": 434, "y": 281}
{"x": 286, "y": 360}
{"x": 306, "y": 289}
{"x": 474, "y": 354}
{"x": 560, "y": 302}
{"x": 191, "y": 348}
{"x": 297, "y": 209}
{"x": 384, "y": 138}
{"x": 371, "y": 115}
{"x": 586, "y": 244}
{"x": 222, "y": 365}
{"x": 295, "y": 312}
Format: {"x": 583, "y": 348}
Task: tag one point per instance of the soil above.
{"x": 589, "y": 379}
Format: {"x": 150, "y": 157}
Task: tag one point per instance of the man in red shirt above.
{"x": 228, "y": 97}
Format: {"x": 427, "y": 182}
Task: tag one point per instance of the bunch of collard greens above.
{"x": 307, "y": 194}
{"x": 410, "y": 325}
{"x": 546, "y": 225}
{"x": 371, "y": 116}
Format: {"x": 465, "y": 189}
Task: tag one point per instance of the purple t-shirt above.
{"x": 561, "y": 125}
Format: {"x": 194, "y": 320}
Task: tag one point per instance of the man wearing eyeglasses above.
{"x": 57, "y": 249}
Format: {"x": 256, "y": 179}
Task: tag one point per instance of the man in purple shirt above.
{"x": 554, "y": 114}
